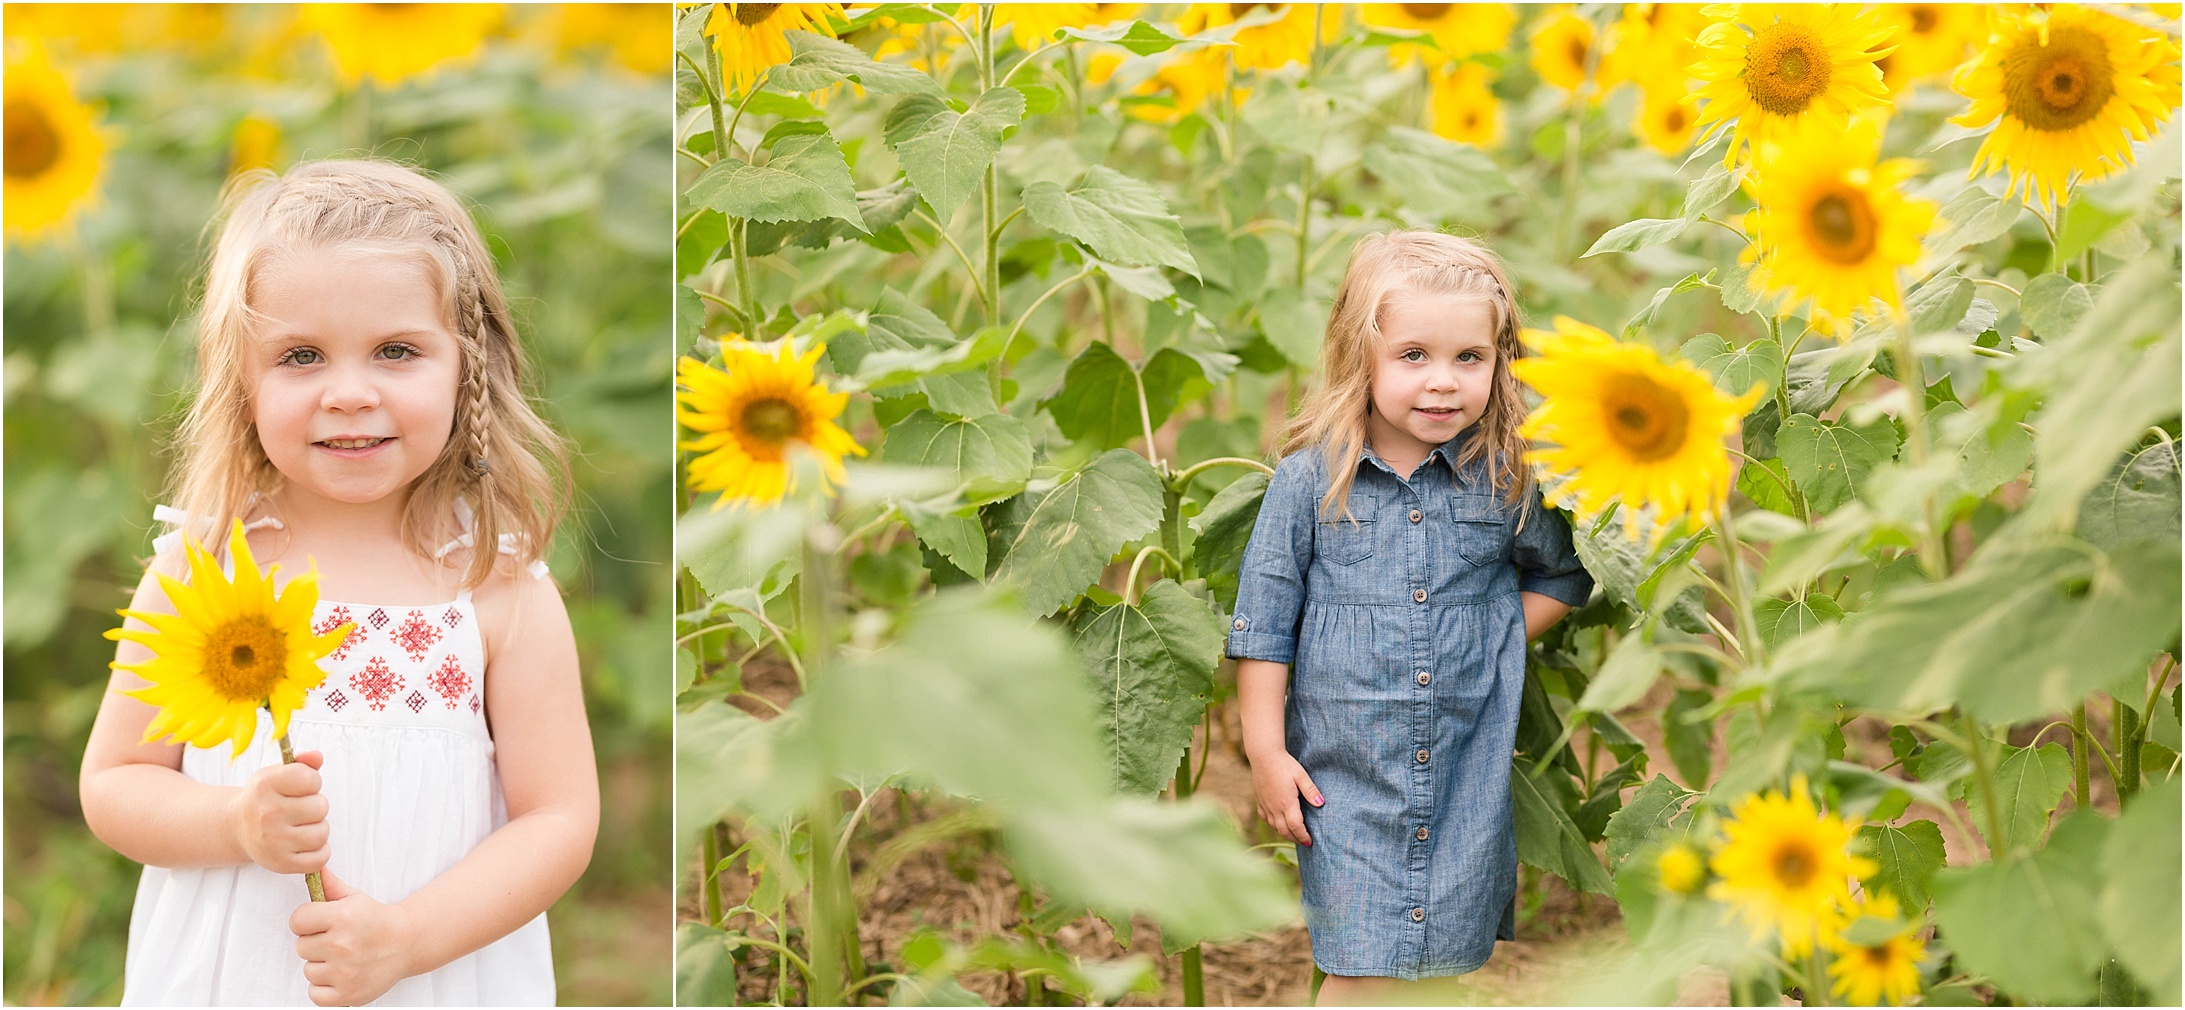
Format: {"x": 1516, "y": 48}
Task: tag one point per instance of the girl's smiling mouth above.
{"x": 353, "y": 445}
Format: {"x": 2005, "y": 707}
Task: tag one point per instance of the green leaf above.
{"x": 806, "y": 180}
{"x": 1098, "y": 402}
{"x": 2029, "y": 922}
{"x": 1986, "y": 455}
{"x": 1908, "y": 858}
{"x": 1547, "y": 838}
{"x": 944, "y": 152}
{"x": 1621, "y": 567}
{"x": 1736, "y": 369}
{"x": 2018, "y": 633}
{"x": 2085, "y": 223}
{"x": 1152, "y": 668}
{"x": 1117, "y": 217}
{"x": 1073, "y": 531}
{"x": 2139, "y": 900}
{"x": 1972, "y": 217}
{"x": 2138, "y": 501}
{"x": 1644, "y": 233}
{"x": 1708, "y": 191}
{"x": 1689, "y": 735}
{"x": 1177, "y": 863}
{"x": 1782, "y": 620}
{"x": 705, "y": 970}
{"x": 1624, "y": 677}
{"x": 1039, "y": 99}
{"x": 1830, "y": 461}
{"x": 993, "y": 448}
{"x": 2029, "y": 783}
{"x": 1646, "y": 315}
{"x": 736, "y": 763}
{"x": 816, "y": 61}
{"x": 960, "y": 539}
{"x": 2052, "y": 304}
{"x": 880, "y": 208}
{"x": 1293, "y": 323}
{"x": 1435, "y": 176}
{"x": 1938, "y": 305}
{"x": 695, "y": 246}
{"x": 899, "y": 324}
{"x": 1140, "y": 37}
{"x": 1648, "y": 817}
{"x": 1224, "y": 528}
{"x": 1771, "y": 493}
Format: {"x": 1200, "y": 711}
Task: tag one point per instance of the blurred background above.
{"x": 122, "y": 121}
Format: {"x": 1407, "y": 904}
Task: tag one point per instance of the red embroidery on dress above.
{"x": 449, "y": 681}
{"x": 452, "y": 616}
{"x": 474, "y": 704}
{"x": 335, "y": 699}
{"x": 378, "y": 618}
{"x": 416, "y": 636}
{"x": 377, "y": 682}
{"x": 416, "y": 702}
{"x": 336, "y": 618}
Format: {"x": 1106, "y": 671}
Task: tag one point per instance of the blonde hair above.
{"x": 500, "y": 456}
{"x": 1333, "y": 416}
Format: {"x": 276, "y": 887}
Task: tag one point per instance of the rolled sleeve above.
{"x": 1271, "y": 579}
{"x": 1547, "y": 561}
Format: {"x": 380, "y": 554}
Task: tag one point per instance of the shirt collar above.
{"x": 1447, "y": 452}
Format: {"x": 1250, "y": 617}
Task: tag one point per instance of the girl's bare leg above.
{"x": 1357, "y": 990}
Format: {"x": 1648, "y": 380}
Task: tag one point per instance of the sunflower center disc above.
{"x": 771, "y": 421}
{"x": 1923, "y": 18}
{"x": 1674, "y": 121}
{"x": 751, "y": 14}
{"x": 1877, "y": 956}
{"x": 1426, "y": 12}
{"x": 2060, "y": 85}
{"x": 1578, "y": 54}
{"x": 1786, "y": 68}
{"x": 1793, "y": 866}
{"x": 245, "y": 657}
{"x": 32, "y": 143}
{"x": 1645, "y": 419}
{"x": 1841, "y": 226}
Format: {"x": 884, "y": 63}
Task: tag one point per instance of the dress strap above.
{"x": 507, "y": 544}
{"x": 180, "y": 521}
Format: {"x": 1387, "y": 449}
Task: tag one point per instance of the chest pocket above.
{"x": 1343, "y": 541}
{"x": 1483, "y": 536}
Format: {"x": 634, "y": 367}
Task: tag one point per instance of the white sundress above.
{"x": 411, "y": 785}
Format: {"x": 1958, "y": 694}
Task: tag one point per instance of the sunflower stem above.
{"x": 709, "y": 881}
{"x": 1932, "y": 557}
{"x": 1985, "y": 776}
{"x": 747, "y": 299}
{"x": 311, "y": 881}
{"x": 832, "y": 943}
{"x": 1817, "y": 993}
{"x": 1755, "y": 650}
{"x": 2080, "y": 772}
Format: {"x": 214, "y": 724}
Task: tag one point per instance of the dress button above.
{"x": 1421, "y": 755}
{"x": 1422, "y": 833}
{"x": 1416, "y": 515}
{"x": 1418, "y": 915}
{"x": 1418, "y": 596}
{"x": 1425, "y": 678}
{"x": 1239, "y": 624}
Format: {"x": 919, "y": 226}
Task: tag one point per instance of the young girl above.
{"x": 360, "y": 404}
{"x": 1400, "y": 562}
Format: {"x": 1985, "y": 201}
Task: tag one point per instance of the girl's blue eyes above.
{"x": 1415, "y": 356}
{"x": 308, "y": 356}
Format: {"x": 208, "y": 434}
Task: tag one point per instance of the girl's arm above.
{"x": 1277, "y": 779}
{"x": 136, "y": 799}
{"x": 1541, "y": 612}
{"x": 355, "y": 947}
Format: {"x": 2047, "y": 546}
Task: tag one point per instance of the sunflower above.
{"x": 638, "y": 36}
{"x": 747, "y": 416}
{"x": 1457, "y": 30}
{"x": 750, "y": 35}
{"x": 1682, "y": 869}
{"x": 1034, "y": 25}
{"x": 1464, "y": 109}
{"x": 929, "y": 44}
{"x": 230, "y": 648}
{"x": 2068, "y": 90}
{"x": 1626, "y": 424}
{"x": 53, "y": 152}
{"x": 87, "y": 28}
{"x": 1930, "y": 39}
{"x": 1831, "y": 225}
{"x": 1666, "y": 121}
{"x": 1786, "y": 866}
{"x": 1185, "y": 81}
{"x": 1563, "y": 53}
{"x": 1767, "y": 68}
{"x": 391, "y": 43}
{"x": 257, "y": 144}
{"x": 1285, "y": 40}
{"x": 1652, "y": 44}
{"x": 1870, "y": 974}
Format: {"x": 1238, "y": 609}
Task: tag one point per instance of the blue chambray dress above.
{"x": 1408, "y": 650}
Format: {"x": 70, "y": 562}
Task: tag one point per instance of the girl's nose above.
{"x": 349, "y": 388}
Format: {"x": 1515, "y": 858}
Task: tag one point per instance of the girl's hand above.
{"x": 280, "y": 817}
{"x": 354, "y": 948}
{"x": 1277, "y": 782}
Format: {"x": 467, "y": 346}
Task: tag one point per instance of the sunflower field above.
{"x": 1857, "y": 367}
{"x": 122, "y": 124}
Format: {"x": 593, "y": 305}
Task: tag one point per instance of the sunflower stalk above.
{"x": 1748, "y": 628}
{"x": 832, "y": 942}
{"x": 312, "y": 881}
{"x": 1933, "y": 556}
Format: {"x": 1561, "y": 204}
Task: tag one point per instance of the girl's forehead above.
{"x": 1408, "y": 308}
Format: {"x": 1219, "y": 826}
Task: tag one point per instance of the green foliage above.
{"x": 2029, "y": 783}
{"x": 1830, "y": 462}
{"x": 805, "y": 180}
{"x": 1074, "y": 529}
{"x": 1908, "y": 857}
{"x": 2029, "y": 921}
{"x": 1152, "y": 666}
{"x": 944, "y": 152}
{"x": 1117, "y": 217}
{"x": 2139, "y": 904}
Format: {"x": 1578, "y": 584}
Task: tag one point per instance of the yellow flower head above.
{"x": 1667, "y": 120}
{"x": 230, "y": 648}
{"x": 2068, "y": 90}
{"x": 1287, "y": 39}
{"x": 1787, "y": 867}
{"x": 1770, "y": 67}
{"x": 1931, "y": 40}
{"x": 391, "y": 43}
{"x": 1187, "y": 80}
{"x": 748, "y": 415}
{"x": 53, "y": 151}
{"x": 1885, "y": 972}
{"x": 257, "y": 144}
{"x": 1464, "y": 109}
{"x": 1627, "y": 425}
{"x": 1563, "y": 53}
{"x": 1682, "y": 868}
{"x": 1654, "y": 44}
{"x": 1457, "y": 30}
{"x": 1035, "y": 25}
{"x": 750, "y": 35}
{"x": 638, "y": 36}
{"x": 930, "y": 44}
{"x": 1832, "y": 226}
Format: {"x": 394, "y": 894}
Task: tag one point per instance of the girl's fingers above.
{"x": 1298, "y": 833}
{"x": 1306, "y": 788}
